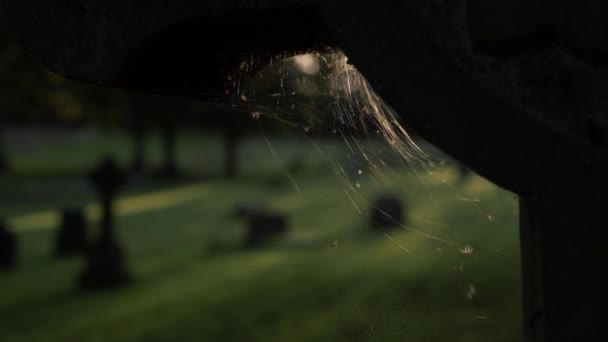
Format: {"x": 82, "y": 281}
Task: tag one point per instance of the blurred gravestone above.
{"x": 263, "y": 224}
{"x": 72, "y": 236}
{"x": 105, "y": 267}
{"x": 263, "y": 227}
{"x": 247, "y": 209}
{"x": 8, "y": 248}
{"x": 387, "y": 213}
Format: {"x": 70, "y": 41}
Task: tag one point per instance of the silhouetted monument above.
{"x": 387, "y": 213}
{"x": 263, "y": 227}
{"x": 106, "y": 267}
{"x": 263, "y": 224}
{"x": 72, "y": 235}
{"x": 8, "y": 248}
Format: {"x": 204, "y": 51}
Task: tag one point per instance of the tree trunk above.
{"x": 170, "y": 168}
{"x": 231, "y": 140}
{"x": 138, "y": 163}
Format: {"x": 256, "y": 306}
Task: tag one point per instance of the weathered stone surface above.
{"x": 163, "y": 46}
{"x": 507, "y": 25}
{"x": 581, "y": 27}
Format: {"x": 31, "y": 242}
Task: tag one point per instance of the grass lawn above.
{"x": 452, "y": 274}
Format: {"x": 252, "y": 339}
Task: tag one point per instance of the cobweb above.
{"x": 321, "y": 94}
{"x": 330, "y": 105}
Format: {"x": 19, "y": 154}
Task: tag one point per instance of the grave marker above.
{"x": 8, "y": 248}
{"x": 105, "y": 267}
{"x": 264, "y": 225}
{"x": 72, "y": 235}
{"x": 387, "y": 213}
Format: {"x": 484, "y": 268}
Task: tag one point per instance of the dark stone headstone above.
{"x": 263, "y": 224}
{"x": 106, "y": 267}
{"x": 247, "y": 209}
{"x": 8, "y": 248}
{"x": 72, "y": 235}
{"x": 387, "y": 213}
{"x": 264, "y": 227}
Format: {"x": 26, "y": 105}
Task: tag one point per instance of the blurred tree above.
{"x": 31, "y": 94}
{"x": 229, "y": 122}
{"x": 172, "y": 114}
{"x": 168, "y": 114}
{"x": 138, "y": 130}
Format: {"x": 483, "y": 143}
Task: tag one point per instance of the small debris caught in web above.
{"x": 467, "y": 250}
{"x": 471, "y": 291}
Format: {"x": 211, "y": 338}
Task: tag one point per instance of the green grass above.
{"x": 193, "y": 281}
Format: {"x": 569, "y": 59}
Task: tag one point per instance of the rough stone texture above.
{"x": 166, "y": 46}
{"x": 541, "y": 70}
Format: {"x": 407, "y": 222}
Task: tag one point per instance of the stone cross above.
{"x": 105, "y": 266}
